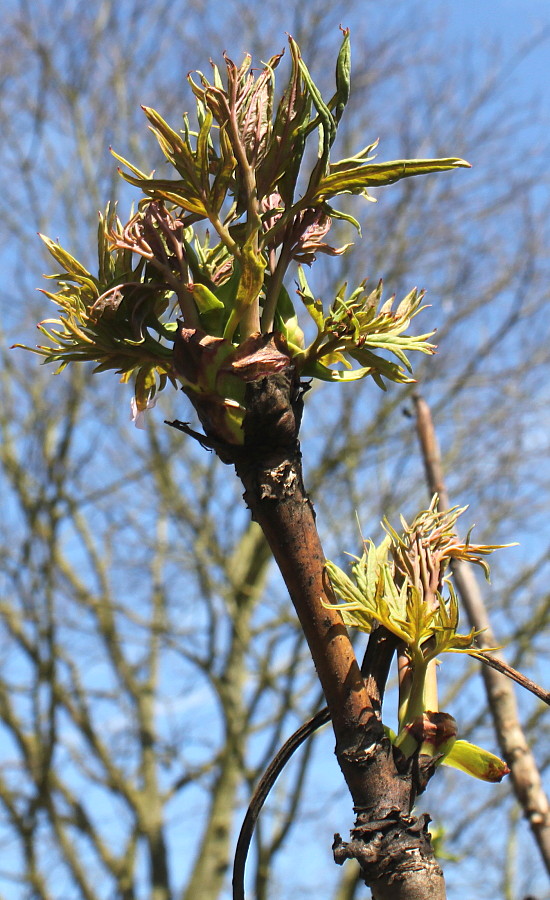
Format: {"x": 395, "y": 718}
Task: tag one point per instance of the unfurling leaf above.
{"x": 356, "y": 179}
{"x": 360, "y": 328}
{"x": 343, "y": 77}
{"x": 400, "y": 585}
{"x": 476, "y": 761}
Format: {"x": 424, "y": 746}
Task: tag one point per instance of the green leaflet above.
{"x": 176, "y": 149}
{"x": 286, "y": 321}
{"x": 73, "y": 270}
{"x": 476, "y": 761}
{"x": 356, "y": 179}
{"x": 250, "y": 284}
{"x": 357, "y": 326}
{"x": 205, "y": 299}
{"x": 178, "y": 192}
{"x": 323, "y": 373}
{"x": 343, "y": 77}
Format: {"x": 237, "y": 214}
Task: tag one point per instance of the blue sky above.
{"x": 514, "y": 23}
{"x": 472, "y": 25}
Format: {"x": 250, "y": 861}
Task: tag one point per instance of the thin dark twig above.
{"x": 516, "y": 676}
{"x": 263, "y": 788}
{"x": 375, "y": 667}
{"x": 375, "y": 670}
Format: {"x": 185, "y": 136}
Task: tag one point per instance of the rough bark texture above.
{"x": 392, "y": 846}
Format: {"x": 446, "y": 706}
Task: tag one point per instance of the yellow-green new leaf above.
{"x": 250, "y": 284}
{"x": 176, "y": 191}
{"x": 476, "y": 761}
{"x": 205, "y": 299}
{"x": 357, "y": 179}
{"x": 355, "y": 161}
{"x": 70, "y": 265}
{"x": 176, "y": 149}
{"x": 323, "y": 373}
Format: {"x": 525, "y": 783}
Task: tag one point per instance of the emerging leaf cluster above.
{"x": 400, "y": 585}
{"x": 114, "y": 319}
{"x": 241, "y": 173}
{"x": 358, "y": 327}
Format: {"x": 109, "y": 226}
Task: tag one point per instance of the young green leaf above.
{"x": 476, "y": 761}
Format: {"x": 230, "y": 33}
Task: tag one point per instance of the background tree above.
{"x": 89, "y": 647}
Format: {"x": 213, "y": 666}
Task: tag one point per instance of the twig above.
{"x": 516, "y": 676}
{"x": 263, "y": 788}
{"x": 375, "y": 668}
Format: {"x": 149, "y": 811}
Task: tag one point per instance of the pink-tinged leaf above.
{"x": 251, "y": 103}
{"x": 282, "y": 161}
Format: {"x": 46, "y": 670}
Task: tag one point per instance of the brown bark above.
{"x": 392, "y": 846}
{"x": 524, "y": 773}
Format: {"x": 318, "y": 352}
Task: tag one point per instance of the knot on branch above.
{"x": 274, "y": 405}
{"x": 269, "y": 462}
{"x": 389, "y": 847}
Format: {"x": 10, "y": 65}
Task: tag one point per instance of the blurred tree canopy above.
{"x": 150, "y": 664}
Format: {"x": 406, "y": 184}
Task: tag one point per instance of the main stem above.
{"x": 276, "y": 497}
{"x": 392, "y": 846}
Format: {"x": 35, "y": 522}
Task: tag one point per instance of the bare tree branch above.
{"x": 500, "y": 694}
